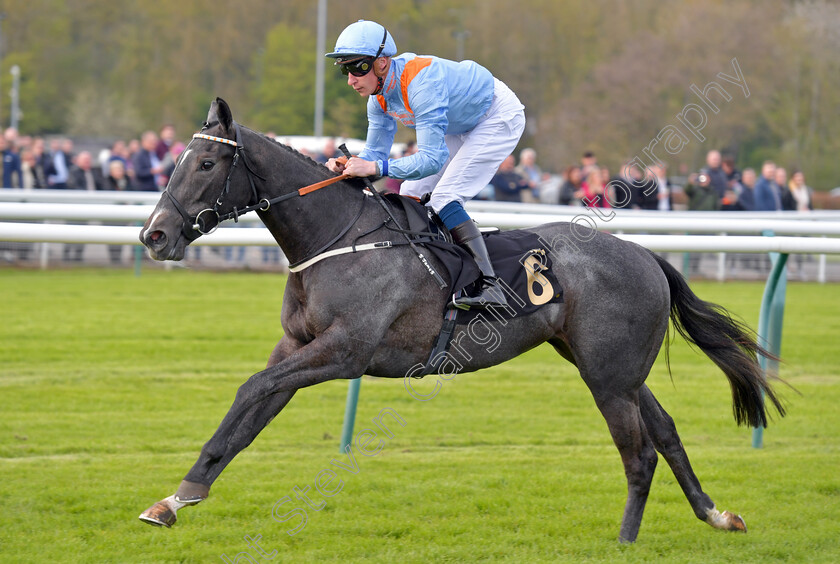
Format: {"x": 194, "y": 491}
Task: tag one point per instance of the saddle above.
{"x": 521, "y": 261}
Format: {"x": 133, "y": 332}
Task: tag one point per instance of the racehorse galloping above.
{"x": 356, "y": 314}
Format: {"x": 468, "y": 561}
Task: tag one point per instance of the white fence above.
{"x": 744, "y": 228}
{"x": 620, "y": 221}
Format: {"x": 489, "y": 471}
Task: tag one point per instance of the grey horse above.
{"x": 379, "y": 312}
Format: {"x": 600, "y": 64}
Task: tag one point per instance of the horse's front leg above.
{"x": 257, "y": 402}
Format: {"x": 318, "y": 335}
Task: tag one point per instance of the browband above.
{"x": 216, "y": 139}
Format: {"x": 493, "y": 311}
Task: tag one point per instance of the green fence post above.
{"x": 138, "y": 257}
{"x": 686, "y": 263}
{"x": 350, "y": 414}
{"x": 138, "y": 260}
{"x": 770, "y": 320}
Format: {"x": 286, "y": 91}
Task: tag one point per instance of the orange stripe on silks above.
{"x": 411, "y": 69}
{"x": 382, "y": 103}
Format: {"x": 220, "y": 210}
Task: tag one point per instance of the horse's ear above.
{"x": 220, "y": 111}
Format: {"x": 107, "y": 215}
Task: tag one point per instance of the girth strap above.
{"x": 342, "y": 251}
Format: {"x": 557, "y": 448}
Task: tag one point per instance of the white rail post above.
{"x": 821, "y": 269}
{"x": 45, "y": 254}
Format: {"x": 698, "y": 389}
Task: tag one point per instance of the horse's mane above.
{"x": 357, "y": 182}
{"x": 294, "y": 152}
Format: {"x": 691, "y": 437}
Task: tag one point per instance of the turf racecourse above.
{"x": 110, "y": 384}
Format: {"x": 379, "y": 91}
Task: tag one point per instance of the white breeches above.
{"x": 474, "y": 156}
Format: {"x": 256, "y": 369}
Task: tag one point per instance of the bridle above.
{"x": 207, "y": 220}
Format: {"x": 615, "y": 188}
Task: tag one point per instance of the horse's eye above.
{"x": 206, "y": 165}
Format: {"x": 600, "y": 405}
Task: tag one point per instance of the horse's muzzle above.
{"x": 161, "y": 246}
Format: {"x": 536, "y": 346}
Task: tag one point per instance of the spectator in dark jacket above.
{"x": 146, "y": 163}
{"x": 730, "y": 170}
{"x": 780, "y": 179}
{"x": 647, "y": 191}
{"x": 729, "y": 202}
{"x": 12, "y": 172}
{"x": 632, "y": 190}
{"x": 84, "y": 176}
{"x": 744, "y": 190}
{"x": 768, "y": 197}
{"x": 117, "y": 177}
{"x": 570, "y": 190}
{"x": 716, "y": 174}
{"x": 60, "y": 161}
{"x": 166, "y": 141}
{"x": 702, "y": 196}
{"x": 507, "y": 183}
{"x": 41, "y": 165}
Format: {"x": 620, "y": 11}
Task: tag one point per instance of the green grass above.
{"x": 110, "y": 384}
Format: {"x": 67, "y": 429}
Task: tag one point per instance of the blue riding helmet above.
{"x": 364, "y": 38}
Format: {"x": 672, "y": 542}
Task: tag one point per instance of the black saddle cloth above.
{"x": 519, "y": 257}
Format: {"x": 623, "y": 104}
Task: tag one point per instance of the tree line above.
{"x": 601, "y": 75}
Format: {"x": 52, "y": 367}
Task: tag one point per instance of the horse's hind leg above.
{"x": 637, "y": 454}
{"x": 663, "y": 432}
{"x": 616, "y": 395}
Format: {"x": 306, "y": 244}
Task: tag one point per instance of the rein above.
{"x": 207, "y": 220}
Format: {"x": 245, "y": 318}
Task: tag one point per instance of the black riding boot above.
{"x": 468, "y": 236}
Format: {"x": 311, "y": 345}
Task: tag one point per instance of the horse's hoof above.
{"x": 725, "y": 521}
{"x": 159, "y": 515}
{"x": 736, "y": 523}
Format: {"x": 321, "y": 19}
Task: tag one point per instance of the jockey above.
{"x": 466, "y": 121}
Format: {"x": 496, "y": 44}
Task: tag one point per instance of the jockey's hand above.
{"x": 360, "y": 167}
{"x": 336, "y": 165}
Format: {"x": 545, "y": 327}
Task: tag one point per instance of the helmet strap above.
{"x": 384, "y": 40}
{"x": 380, "y": 77}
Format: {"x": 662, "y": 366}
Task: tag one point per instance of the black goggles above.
{"x": 359, "y": 67}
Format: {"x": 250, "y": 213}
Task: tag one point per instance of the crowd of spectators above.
{"x": 720, "y": 185}
{"x": 140, "y": 164}
{"x": 147, "y": 162}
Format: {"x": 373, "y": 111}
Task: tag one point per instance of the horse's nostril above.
{"x": 156, "y": 239}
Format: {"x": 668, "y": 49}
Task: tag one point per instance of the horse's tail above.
{"x": 728, "y": 342}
